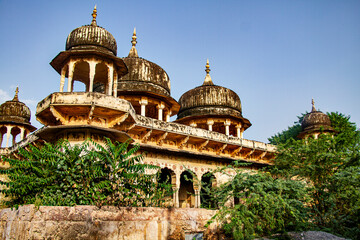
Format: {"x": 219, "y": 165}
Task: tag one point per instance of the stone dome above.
{"x": 315, "y": 119}
{"x": 91, "y": 37}
{"x": 210, "y": 100}
{"x": 15, "y": 111}
{"x": 143, "y": 75}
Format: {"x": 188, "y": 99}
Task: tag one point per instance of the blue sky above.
{"x": 276, "y": 55}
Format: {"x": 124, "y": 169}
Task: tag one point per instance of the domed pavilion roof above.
{"x": 145, "y": 78}
{"x": 14, "y": 111}
{"x": 143, "y": 75}
{"x": 92, "y": 37}
{"x": 211, "y": 100}
{"x": 315, "y": 121}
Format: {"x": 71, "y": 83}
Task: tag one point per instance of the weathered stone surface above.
{"x": 90, "y": 222}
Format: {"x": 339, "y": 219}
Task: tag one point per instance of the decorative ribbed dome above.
{"x": 91, "y": 37}
{"x": 209, "y": 99}
{"x": 315, "y": 119}
{"x": 15, "y": 111}
{"x": 143, "y": 75}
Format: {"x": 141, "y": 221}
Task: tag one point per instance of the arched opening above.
{"x": 186, "y": 191}
{"x": 167, "y": 181}
{"x": 81, "y": 77}
{"x": 208, "y": 181}
{"x": 14, "y": 133}
{"x": 101, "y": 76}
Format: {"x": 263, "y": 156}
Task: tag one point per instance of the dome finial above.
{"x": 16, "y": 97}
{"x": 94, "y": 14}
{"x": 313, "y": 105}
{"x": 207, "y": 80}
{"x": 133, "y": 51}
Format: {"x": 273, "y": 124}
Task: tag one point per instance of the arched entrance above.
{"x": 166, "y": 179}
{"x": 186, "y": 191}
{"x": 208, "y": 181}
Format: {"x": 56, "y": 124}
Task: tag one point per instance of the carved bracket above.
{"x": 146, "y": 136}
{"x": 118, "y": 120}
{"x": 236, "y": 151}
{"x": 161, "y": 139}
{"x": 182, "y": 142}
{"x": 203, "y": 145}
{"x": 221, "y": 149}
{"x": 57, "y": 115}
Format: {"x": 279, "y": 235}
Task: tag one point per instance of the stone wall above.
{"x": 90, "y": 222}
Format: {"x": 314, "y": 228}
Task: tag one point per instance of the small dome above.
{"x": 315, "y": 119}
{"x": 15, "y": 111}
{"x": 91, "y": 37}
{"x": 210, "y": 99}
{"x": 143, "y": 75}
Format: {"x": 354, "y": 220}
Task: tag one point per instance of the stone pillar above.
{"x": 62, "y": 78}
{"x": 22, "y": 133}
{"x": 160, "y": 108}
{"x": 143, "y": 102}
{"x": 210, "y": 123}
{"x": 193, "y": 124}
{"x": 115, "y": 83}
{"x": 242, "y": 133}
{"x": 92, "y": 67}
{"x": 238, "y": 130}
{"x": 8, "y": 135}
{"x": 110, "y": 79}
{"x": 1, "y": 139}
{"x": 168, "y": 114}
{"x": 176, "y": 198}
{"x": 70, "y": 76}
{"x": 227, "y": 124}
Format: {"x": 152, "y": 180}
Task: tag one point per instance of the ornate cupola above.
{"x": 314, "y": 123}
{"x": 14, "y": 120}
{"x": 212, "y": 107}
{"x": 90, "y": 57}
{"x": 146, "y": 86}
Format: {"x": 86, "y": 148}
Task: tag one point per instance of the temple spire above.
{"x": 94, "y": 14}
{"x": 313, "y": 105}
{"x": 207, "y": 80}
{"x": 16, "y": 97}
{"x": 133, "y": 51}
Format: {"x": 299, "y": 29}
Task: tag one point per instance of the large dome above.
{"x": 144, "y": 76}
{"x": 91, "y": 37}
{"x": 209, "y": 100}
{"x": 15, "y": 111}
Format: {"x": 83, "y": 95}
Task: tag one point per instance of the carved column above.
{"x": 22, "y": 133}
{"x": 242, "y": 133}
{"x": 143, "y": 102}
{"x": 92, "y": 67}
{"x": 110, "y": 79}
{"x": 62, "y": 78}
{"x": 115, "y": 83}
{"x": 70, "y": 75}
{"x": 227, "y": 124}
{"x": 168, "y": 114}
{"x": 160, "y": 108}
{"x": 8, "y": 132}
{"x": 210, "y": 123}
{"x": 1, "y": 139}
{"x": 176, "y": 197}
{"x": 238, "y": 130}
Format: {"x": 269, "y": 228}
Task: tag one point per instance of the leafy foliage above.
{"x": 89, "y": 173}
{"x": 291, "y": 133}
{"x": 330, "y": 165}
{"x": 263, "y": 205}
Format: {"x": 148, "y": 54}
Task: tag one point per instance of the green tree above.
{"x": 330, "y": 167}
{"x": 88, "y": 173}
{"x": 264, "y": 204}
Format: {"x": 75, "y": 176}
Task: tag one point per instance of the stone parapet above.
{"x": 90, "y": 222}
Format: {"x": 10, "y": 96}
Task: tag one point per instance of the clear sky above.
{"x": 276, "y": 55}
